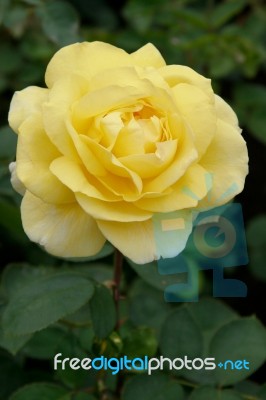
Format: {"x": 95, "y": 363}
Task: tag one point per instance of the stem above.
{"x": 118, "y": 264}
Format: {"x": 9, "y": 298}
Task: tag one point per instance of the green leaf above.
{"x": 154, "y": 387}
{"x": 150, "y": 274}
{"x": 40, "y": 391}
{"x": 86, "y": 336}
{"x": 189, "y": 330}
{"x": 12, "y": 343}
{"x": 211, "y": 314}
{"x": 224, "y": 12}
{"x": 140, "y": 342}
{"x": 147, "y": 306}
{"x": 243, "y": 339}
{"x": 79, "y": 396}
{"x": 99, "y": 272}
{"x": 45, "y": 344}
{"x": 44, "y": 302}
{"x": 32, "y": 2}
{"x": 83, "y": 396}
{"x": 81, "y": 317}
{"x": 59, "y": 21}
{"x": 11, "y": 375}
{"x": 16, "y": 20}
{"x": 4, "y": 4}
{"x": 256, "y": 238}
{"x": 76, "y": 379}
{"x": 180, "y": 335}
{"x": 205, "y": 392}
{"x": 249, "y": 388}
{"x": 16, "y": 276}
{"x": 103, "y": 313}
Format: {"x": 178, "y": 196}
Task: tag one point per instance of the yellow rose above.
{"x": 115, "y": 139}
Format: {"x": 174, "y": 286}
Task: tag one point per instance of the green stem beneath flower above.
{"x": 118, "y": 265}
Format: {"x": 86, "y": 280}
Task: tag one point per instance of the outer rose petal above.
{"x": 185, "y": 193}
{"x": 86, "y": 59}
{"x": 63, "y": 230}
{"x": 56, "y": 112}
{"x": 225, "y": 112}
{"x": 148, "y": 56}
{"x": 227, "y": 160}
{"x": 199, "y": 112}
{"x": 134, "y": 239}
{"x": 175, "y": 74}
{"x": 145, "y": 241}
{"x": 35, "y": 153}
{"x": 112, "y": 211}
{"x": 25, "y": 104}
{"x": 171, "y": 232}
{"x": 15, "y": 182}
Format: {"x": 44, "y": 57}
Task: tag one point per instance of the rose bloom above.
{"x": 114, "y": 140}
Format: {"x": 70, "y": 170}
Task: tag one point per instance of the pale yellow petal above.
{"x": 86, "y": 59}
{"x": 225, "y": 112}
{"x": 120, "y": 179}
{"x": 150, "y": 165}
{"x": 57, "y": 111}
{"x": 24, "y": 104}
{"x": 186, "y": 154}
{"x": 63, "y": 230}
{"x": 148, "y": 56}
{"x": 74, "y": 176}
{"x": 91, "y": 163}
{"x": 15, "y": 182}
{"x": 134, "y": 239}
{"x": 105, "y": 100}
{"x": 175, "y": 74}
{"x": 199, "y": 112}
{"x": 123, "y": 76}
{"x": 227, "y": 160}
{"x": 111, "y": 211}
{"x": 35, "y": 153}
{"x": 171, "y": 232}
{"x": 186, "y": 193}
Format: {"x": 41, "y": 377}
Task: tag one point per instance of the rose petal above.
{"x": 227, "y": 160}
{"x": 112, "y": 211}
{"x": 134, "y": 239}
{"x": 199, "y": 112}
{"x": 24, "y": 104}
{"x": 149, "y": 165}
{"x": 57, "y": 110}
{"x": 35, "y": 152}
{"x": 15, "y": 182}
{"x": 75, "y": 178}
{"x": 225, "y": 112}
{"x": 63, "y": 230}
{"x": 171, "y": 232}
{"x": 86, "y": 59}
{"x": 186, "y": 154}
{"x": 148, "y": 56}
{"x": 175, "y": 74}
{"x": 186, "y": 193}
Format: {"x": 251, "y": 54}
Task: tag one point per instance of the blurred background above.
{"x": 223, "y": 40}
